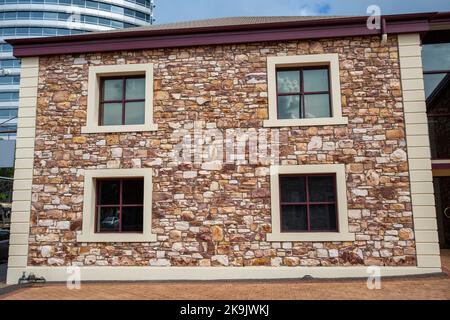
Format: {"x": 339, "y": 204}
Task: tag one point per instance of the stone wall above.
{"x": 209, "y": 216}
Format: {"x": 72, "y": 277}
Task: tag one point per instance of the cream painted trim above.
{"x": 331, "y": 60}
{"x": 87, "y": 234}
{"x": 95, "y": 73}
{"x": 339, "y": 170}
{"x": 211, "y": 273}
{"x": 419, "y": 156}
{"x": 440, "y": 161}
{"x": 23, "y": 175}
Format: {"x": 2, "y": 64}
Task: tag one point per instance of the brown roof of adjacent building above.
{"x": 222, "y": 22}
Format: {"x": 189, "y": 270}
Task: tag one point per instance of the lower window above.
{"x": 308, "y": 203}
{"x": 120, "y": 205}
{"x": 117, "y": 206}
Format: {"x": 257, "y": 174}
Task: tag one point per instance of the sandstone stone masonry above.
{"x": 219, "y": 215}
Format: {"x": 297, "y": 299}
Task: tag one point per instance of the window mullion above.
{"x": 336, "y": 209}
{"x": 97, "y": 208}
{"x": 302, "y": 95}
{"x": 308, "y": 220}
{"x": 123, "y": 99}
{"x": 102, "y": 96}
{"x": 120, "y": 204}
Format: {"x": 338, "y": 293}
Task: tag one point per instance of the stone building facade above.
{"x": 214, "y": 214}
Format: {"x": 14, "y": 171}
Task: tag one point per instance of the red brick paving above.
{"x": 431, "y": 287}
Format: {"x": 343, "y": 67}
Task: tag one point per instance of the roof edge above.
{"x": 180, "y": 37}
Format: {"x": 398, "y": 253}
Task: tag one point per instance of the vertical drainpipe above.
{"x": 384, "y": 36}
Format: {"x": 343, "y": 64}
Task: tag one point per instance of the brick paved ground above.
{"x": 437, "y": 287}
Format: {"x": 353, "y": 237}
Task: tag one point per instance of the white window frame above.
{"x": 93, "y": 99}
{"x": 332, "y": 61}
{"x": 341, "y": 192}
{"x": 88, "y": 233}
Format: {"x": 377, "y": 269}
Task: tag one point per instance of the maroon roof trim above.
{"x": 231, "y": 34}
{"x": 440, "y": 165}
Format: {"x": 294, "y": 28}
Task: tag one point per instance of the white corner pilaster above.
{"x": 419, "y": 156}
{"x": 23, "y": 173}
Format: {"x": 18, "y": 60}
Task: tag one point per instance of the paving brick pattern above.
{"x": 430, "y": 287}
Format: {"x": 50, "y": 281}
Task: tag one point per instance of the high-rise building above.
{"x": 38, "y": 18}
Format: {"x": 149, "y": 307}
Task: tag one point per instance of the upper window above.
{"x": 120, "y": 99}
{"x": 123, "y": 101}
{"x": 308, "y": 203}
{"x": 120, "y": 205}
{"x": 304, "y": 91}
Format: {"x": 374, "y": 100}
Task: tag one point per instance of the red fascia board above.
{"x": 144, "y": 39}
{"x": 184, "y": 41}
{"x": 440, "y": 165}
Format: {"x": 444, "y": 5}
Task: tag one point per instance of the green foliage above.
{"x": 7, "y": 172}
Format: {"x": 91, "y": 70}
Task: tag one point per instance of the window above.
{"x": 9, "y": 96}
{"x": 10, "y": 63}
{"x": 304, "y": 91}
{"x": 11, "y": 80}
{"x": 5, "y": 47}
{"x": 117, "y": 206}
{"x": 436, "y": 77}
{"x": 120, "y": 205}
{"x": 120, "y": 99}
{"x": 309, "y": 203}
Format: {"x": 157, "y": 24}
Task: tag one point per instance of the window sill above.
{"x": 125, "y": 128}
{"x": 116, "y": 237}
{"x": 310, "y": 237}
{"x": 305, "y": 122}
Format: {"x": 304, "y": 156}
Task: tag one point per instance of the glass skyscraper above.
{"x": 38, "y": 18}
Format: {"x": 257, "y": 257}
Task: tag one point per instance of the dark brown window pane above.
{"x": 293, "y": 218}
{"x": 112, "y": 114}
{"x": 438, "y": 110}
{"x": 108, "y": 219}
{"x": 317, "y": 106}
{"x": 315, "y": 80}
{"x": 132, "y": 219}
{"x": 120, "y": 205}
{"x": 133, "y": 191}
{"x": 135, "y": 89}
{"x": 289, "y": 107}
{"x": 321, "y": 188}
{"x": 112, "y": 89}
{"x": 288, "y": 81}
{"x": 323, "y": 217}
{"x": 293, "y": 189}
{"x": 439, "y": 128}
{"x": 109, "y": 192}
{"x": 134, "y": 113}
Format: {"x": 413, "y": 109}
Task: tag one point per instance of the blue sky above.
{"x": 184, "y": 10}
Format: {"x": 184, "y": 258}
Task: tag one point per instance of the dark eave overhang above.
{"x": 169, "y": 38}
